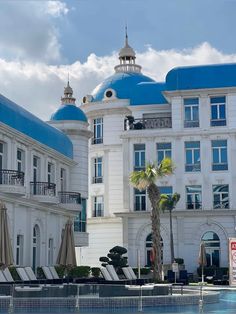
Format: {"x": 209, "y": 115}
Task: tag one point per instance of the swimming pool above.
{"x": 227, "y": 305}
{"x": 86, "y": 299}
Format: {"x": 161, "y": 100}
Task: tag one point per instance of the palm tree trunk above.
{"x": 153, "y": 194}
{"x": 171, "y": 240}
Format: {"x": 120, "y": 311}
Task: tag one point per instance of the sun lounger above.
{"x": 8, "y": 276}
{"x": 112, "y": 272}
{"x": 106, "y": 274}
{"x": 2, "y": 277}
{"x": 49, "y": 276}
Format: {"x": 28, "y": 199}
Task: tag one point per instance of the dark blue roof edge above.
{"x": 23, "y": 121}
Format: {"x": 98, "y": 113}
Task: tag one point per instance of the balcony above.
{"x": 97, "y": 179}
{"x": 43, "y": 192}
{"x": 12, "y": 181}
{"x": 70, "y": 200}
{"x": 147, "y": 123}
{"x": 80, "y": 234}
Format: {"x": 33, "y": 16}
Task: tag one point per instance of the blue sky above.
{"x": 41, "y": 41}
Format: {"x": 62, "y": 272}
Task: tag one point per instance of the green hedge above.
{"x": 143, "y": 270}
{"x": 79, "y": 272}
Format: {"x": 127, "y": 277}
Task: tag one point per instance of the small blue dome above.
{"x": 23, "y": 121}
{"x": 69, "y": 112}
{"x": 138, "y": 88}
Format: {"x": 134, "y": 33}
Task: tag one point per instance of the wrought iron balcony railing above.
{"x": 11, "y": 177}
{"x": 43, "y": 188}
{"x": 97, "y": 179}
{"x": 147, "y": 123}
{"x": 69, "y": 197}
{"x": 98, "y": 213}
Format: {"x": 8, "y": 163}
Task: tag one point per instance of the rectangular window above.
{"x": 139, "y": 200}
{"x": 218, "y": 112}
{"x": 168, "y": 190}
{"x": 19, "y": 249}
{"x": 50, "y": 252}
{"x": 219, "y": 155}
{"x": 20, "y": 159}
{"x": 97, "y": 171}
{"x": 63, "y": 179}
{"x": 139, "y": 157}
{"x": 98, "y": 208}
{"x": 192, "y": 156}
{"x": 98, "y": 131}
{"x": 80, "y": 221}
{"x": 220, "y": 196}
{"x": 36, "y": 170}
{"x": 194, "y": 197}
{"x": 163, "y": 151}
{"x": 50, "y": 173}
{"x": 191, "y": 112}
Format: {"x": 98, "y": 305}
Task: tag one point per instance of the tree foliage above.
{"x": 115, "y": 257}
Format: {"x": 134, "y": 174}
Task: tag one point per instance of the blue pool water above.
{"x": 227, "y": 305}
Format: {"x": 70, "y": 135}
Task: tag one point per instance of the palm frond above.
{"x": 166, "y": 167}
{"x": 168, "y": 202}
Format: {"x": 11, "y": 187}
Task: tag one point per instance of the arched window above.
{"x": 36, "y": 248}
{"x": 148, "y": 247}
{"x": 212, "y": 245}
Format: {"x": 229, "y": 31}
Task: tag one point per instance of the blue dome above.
{"x": 204, "y": 76}
{"x": 138, "y": 88}
{"x": 23, "y": 121}
{"x": 69, "y": 112}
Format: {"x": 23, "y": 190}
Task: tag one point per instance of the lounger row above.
{"x": 111, "y": 276}
{"x": 27, "y": 275}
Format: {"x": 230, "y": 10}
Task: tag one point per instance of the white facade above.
{"x": 207, "y": 208}
{"x": 38, "y": 184}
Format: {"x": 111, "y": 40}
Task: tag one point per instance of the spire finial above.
{"x": 126, "y": 35}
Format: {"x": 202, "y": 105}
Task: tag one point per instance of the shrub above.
{"x": 115, "y": 258}
{"x": 61, "y": 270}
{"x": 40, "y": 273}
{"x": 143, "y": 270}
{"x": 79, "y": 272}
{"x": 95, "y": 272}
{"x": 14, "y": 273}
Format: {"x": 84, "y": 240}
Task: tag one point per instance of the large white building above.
{"x": 43, "y": 178}
{"x": 190, "y": 117}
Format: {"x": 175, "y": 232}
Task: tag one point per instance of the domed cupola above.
{"x": 127, "y": 58}
{"x": 68, "y": 109}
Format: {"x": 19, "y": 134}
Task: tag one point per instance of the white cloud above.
{"x": 38, "y": 87}
{"x": 27, "y": 30}
{"x": 56, "y": 8}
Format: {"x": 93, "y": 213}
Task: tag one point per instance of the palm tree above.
{"x": 146, "y": 180}
{"x": 168, "y": 202}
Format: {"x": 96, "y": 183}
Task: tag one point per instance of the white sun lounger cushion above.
{"x": 2, "y": 277}
{"x": 106, "y": 274}
{"x": 132, "y": 273}
{"x": 30, "y": 273}
{"x": 54, "y": 272}
{"x": 47, "y": 272}
{"x": 22, "y": 274}
{"x": 27, "y": 288}
{"x": 112, "y": 272}
{"x": 7, "y": 274}
{"x": 127, "y": 273}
